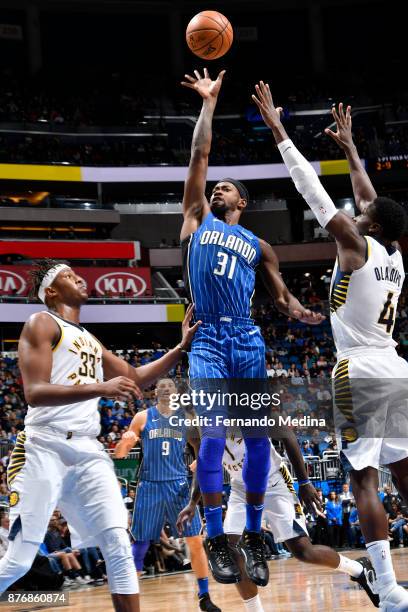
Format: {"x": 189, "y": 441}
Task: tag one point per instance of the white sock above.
{"x": 380, "y": 556}
{"x": 349, "y": 566}
{"x": 254, "y": 604}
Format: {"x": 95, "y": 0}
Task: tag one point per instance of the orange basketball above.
{"x": 209, "y": 35}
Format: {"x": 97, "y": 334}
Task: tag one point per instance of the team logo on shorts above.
{"x": 349, "y": 434}
{"x": 14, "y": 499}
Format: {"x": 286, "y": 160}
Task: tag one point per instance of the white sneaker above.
{"x": 80, "y": 581}
{"x": 67, "y": 583}
{"x": 396, "y": 600}
{"x": 88, "y": 579}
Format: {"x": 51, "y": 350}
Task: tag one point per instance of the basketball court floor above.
{"x": 293, "y": 587}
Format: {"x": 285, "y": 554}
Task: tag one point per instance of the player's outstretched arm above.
{"x": 146, "y": 375}
{"x": 283, "y": 299}
{"x": 37, "y": 339}
{"x": 195, "y": 204}
{"x": 340, "y": 225}
{"x": 130, "y": 437}
{"x": 364, "y": 192}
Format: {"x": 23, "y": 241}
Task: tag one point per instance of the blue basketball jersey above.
{"x": 219, "y": 268}
{"x": 163, "y": 448}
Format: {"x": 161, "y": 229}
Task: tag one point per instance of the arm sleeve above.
{"x": 307, "y": 182}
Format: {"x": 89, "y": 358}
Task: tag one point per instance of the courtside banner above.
{"x": 101, "y": 282}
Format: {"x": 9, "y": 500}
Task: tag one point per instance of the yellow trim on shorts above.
{"x": 17, "y": 459}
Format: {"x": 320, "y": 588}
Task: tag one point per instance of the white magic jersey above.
{"x": 234, "y": 454}
{"x": 363, "y": 304}
{"x": 76, "y": 360}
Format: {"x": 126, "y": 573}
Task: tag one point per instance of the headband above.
{"x": 49, "y": 278}
{"x": 243, "y": 191}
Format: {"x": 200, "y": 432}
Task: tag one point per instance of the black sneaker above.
{"x": 367, "y": 580}
{"x": 206, "y": 604}
{"x": 252, "y": 547}
{"x": 220, "y": 559}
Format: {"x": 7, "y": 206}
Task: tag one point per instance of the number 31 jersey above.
{"x": 219, "y": 268}
{"x": 76, "y": 360}
{"x": 363, "y": 304}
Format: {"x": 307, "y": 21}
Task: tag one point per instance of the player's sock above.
{"x": 213, "y": 520}
{"x": 254, "y": 604}
{"x": 254, "y": 517}
{"x": 380, "y": 556}
{"x": 202, "y": 586}
{"x": 350, "y": 567}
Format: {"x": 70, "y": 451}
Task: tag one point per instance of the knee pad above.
{"x": 257, "y": 464}
{"x": 115, "y": 546}
{"x": 209, "y": 464}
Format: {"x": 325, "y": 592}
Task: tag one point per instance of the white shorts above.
{"x": 47, "y": 470}
{"x": 371, "y": 408}
{"x": 282, "y": 512}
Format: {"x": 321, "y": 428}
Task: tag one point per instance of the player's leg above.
{"x": 177, "y": 497}
{"x": 360, "y": 571}
{"x": 99, "y": 513}
{"x": 34, "y": 477}
{"x": 199, "y": 564}
{"x": 234, "y": 524}
{"x": 139, "y": 550}
{"x": 374, "y": 527}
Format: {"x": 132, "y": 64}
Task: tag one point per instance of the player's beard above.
{"x": 219, "y": 209}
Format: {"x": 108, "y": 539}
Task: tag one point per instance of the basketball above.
{"x": 209, "y": 35}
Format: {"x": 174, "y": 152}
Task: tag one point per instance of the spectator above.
{"x": 334, "y": 519}
{"x": 346, "y": 498}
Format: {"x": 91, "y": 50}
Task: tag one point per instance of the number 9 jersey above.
{"x": 76, "y": 360}
{"x": 363, "y": 303}
{"x": 219, "y": 263}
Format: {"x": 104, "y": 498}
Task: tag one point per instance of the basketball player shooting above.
{"x": 220, "y": 260}
{"x": 57, "y": 458}
{"x": 163, "y": 490}
{"x": 366, "y": 284}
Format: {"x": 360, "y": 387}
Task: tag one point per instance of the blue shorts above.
{"x": 158, "y": 502}
{"x": 227, "y": 350}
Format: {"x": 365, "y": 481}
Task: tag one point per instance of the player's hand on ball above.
{"x": 187, "y": 331}
{"x": 343, "y": 137}
{"x": 187, "y": 514}
{"x": 309, "y": 497}
{"x": 263, "y": 100}
{"x": 204, "y": 85}
{"x": 121, "y": 388}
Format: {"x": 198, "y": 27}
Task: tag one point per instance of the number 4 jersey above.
{"x": 363, "y": 303}
{"x": 76, "y": 360}
{"x": 219, "y": 268}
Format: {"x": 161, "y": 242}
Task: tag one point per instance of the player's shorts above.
{"x": 227, "y": 347}
{"x": 371, "y": 407}
{"x": 47, "y": 471}
{"x": 282, "y": 512}
{"x": 158, "y": 502}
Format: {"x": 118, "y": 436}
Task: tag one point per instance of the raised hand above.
{"x": 307, "y": 316}
{"x": 343, "y": 137}
{"x": 263, "y": 100}
{"x": 207, "y": 88}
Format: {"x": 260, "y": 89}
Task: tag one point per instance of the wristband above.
{"x": 302, "y": 483}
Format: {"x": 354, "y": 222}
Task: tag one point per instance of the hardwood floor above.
{"x": 293, "y": 587}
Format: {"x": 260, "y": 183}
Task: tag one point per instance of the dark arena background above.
{"x": 95, "y": 136}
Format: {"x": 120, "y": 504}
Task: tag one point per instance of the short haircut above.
{"x": 391, "y": 216}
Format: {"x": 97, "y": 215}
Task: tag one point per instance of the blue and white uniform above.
{"x": 163, "y": 489}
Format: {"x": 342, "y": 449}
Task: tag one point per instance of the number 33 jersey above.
{"x": 76, "y": 360}
{"x": 363, "y": 303}
{"x": 219, "y": 268}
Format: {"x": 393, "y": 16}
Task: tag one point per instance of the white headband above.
{"x": 49, "y": 278}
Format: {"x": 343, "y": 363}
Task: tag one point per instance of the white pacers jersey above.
{"x": 363, "y": 304}
{"x": 234, "y": 454}
{"x": 76, "y": 360}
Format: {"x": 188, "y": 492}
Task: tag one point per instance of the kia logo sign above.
{"x": 10, "y": 282}
{"x": 120, "y": 282}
